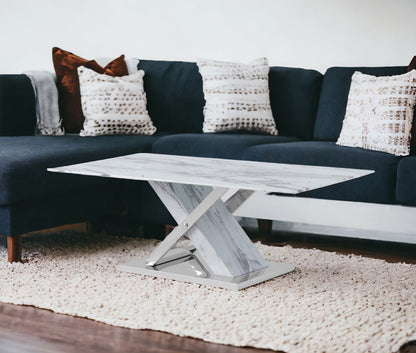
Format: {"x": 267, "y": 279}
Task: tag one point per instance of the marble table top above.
{"x": 228, "y": 173}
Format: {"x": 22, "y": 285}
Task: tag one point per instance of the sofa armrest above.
{"x": 17, "y": 106}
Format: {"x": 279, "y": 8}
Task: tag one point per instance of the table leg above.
{"x": 221, "y": 242}
{"x": 224, "y": 256}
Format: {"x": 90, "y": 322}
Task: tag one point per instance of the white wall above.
{"x": 303, "y": 33}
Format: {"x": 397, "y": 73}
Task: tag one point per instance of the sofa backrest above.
{"x": 17, "y": 106}
{"x": 294, "y": 97}
{"x": 175, "y": 98}
{"x": 334, "y": 97}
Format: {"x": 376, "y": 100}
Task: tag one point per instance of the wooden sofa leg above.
{"x": 265, "y": 227}
{"x": 14, "y": 248}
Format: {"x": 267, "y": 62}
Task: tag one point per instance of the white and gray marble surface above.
{"x": 248, "y": 175}
{"x": 220, "y": 240}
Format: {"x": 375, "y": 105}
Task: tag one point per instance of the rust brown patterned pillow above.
{"x": 412, "y": 65}
{"x": 66, "y": 65}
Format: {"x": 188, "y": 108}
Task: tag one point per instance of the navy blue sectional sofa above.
{"x": 308, "y": 108}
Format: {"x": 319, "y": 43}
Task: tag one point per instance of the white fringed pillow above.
{"x": 237, "y": 96}
{"x": 379, "y": 113}
{"x": 113, "y": 105}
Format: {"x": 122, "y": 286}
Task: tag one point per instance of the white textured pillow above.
{"x": 237, "y": 96}
{"x": 379, "y": 113}
{"x": 113, "y": 105}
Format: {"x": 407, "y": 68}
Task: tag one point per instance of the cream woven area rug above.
{"x": 330, "y": 303}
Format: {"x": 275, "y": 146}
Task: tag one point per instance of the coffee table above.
{"x": 195, "y": 191}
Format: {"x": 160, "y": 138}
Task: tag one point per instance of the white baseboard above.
{"x": 394, "y": 223}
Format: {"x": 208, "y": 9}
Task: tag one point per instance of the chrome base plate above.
{"x": 186, "y": 266}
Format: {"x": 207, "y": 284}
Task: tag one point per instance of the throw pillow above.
{"x": 237, "y": 96}
{"x": 379, "y": 113}
{"x": 113, "y": 105}
{"x": 412, "y": 65}
{"x": 66, "y": 65}
{"x": 131, "y": 63}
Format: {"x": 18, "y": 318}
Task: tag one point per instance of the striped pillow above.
{"x": 379, "y": 113}
{"x": 237, "y": 96}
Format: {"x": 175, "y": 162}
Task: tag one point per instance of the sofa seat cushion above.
{"x": 24, "y": 160}
{"x": 378, "y": 187}
{"x": 214, "y": 145}
{"x": 406, "y": 181}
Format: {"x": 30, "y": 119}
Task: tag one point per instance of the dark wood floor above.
{"x": 28, "y": 330}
